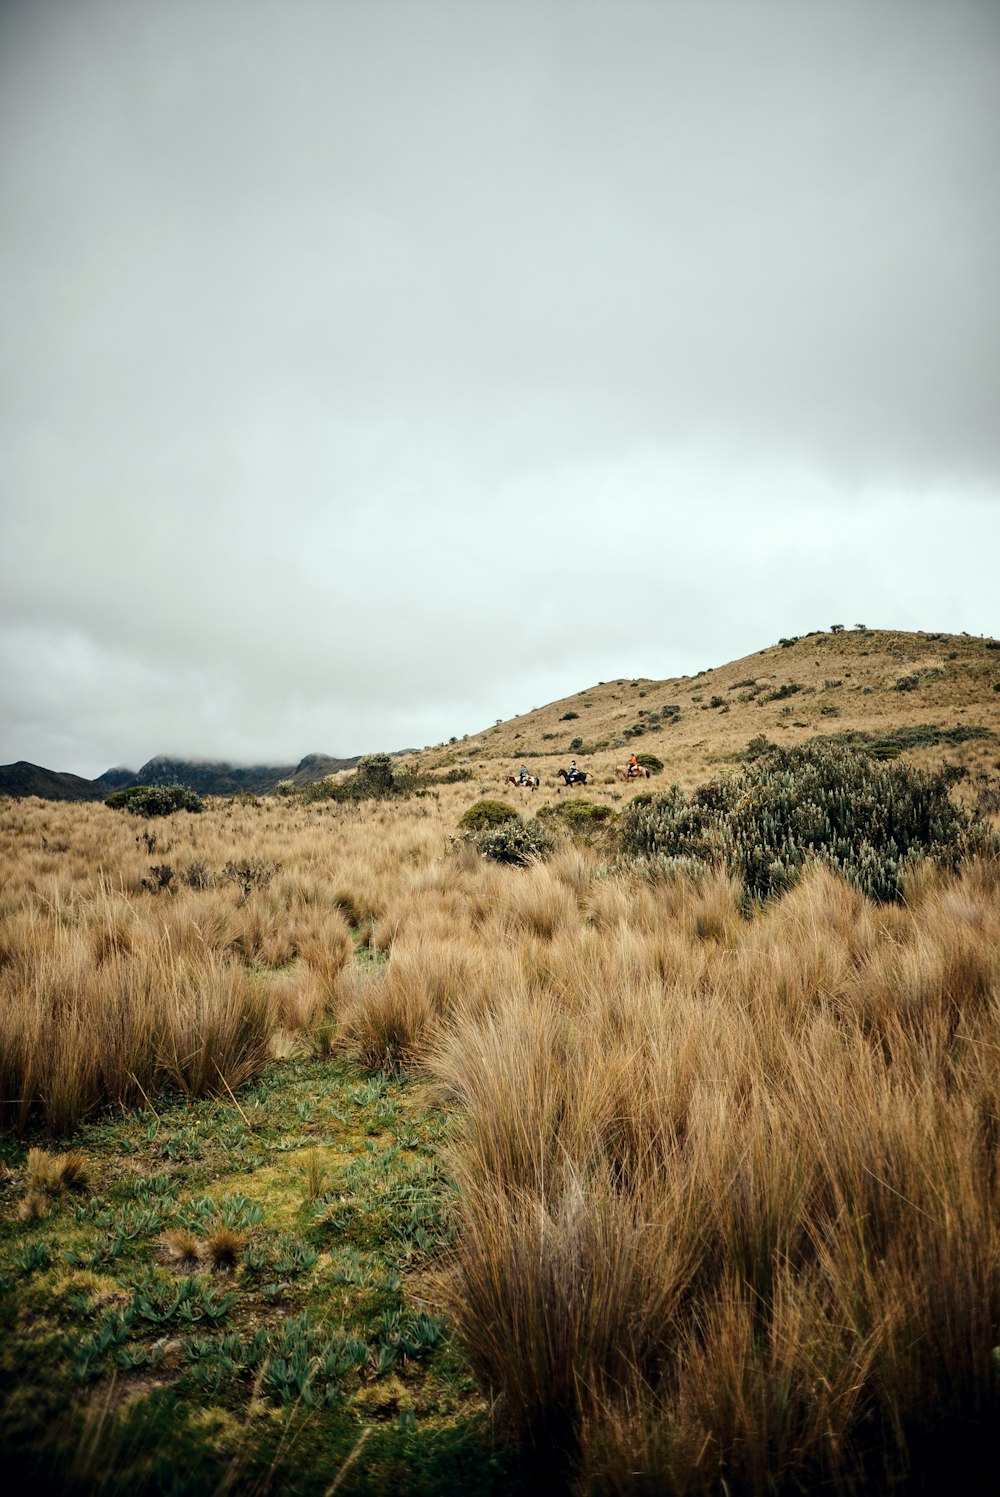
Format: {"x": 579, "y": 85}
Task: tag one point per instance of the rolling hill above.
{"x": 23, "y": 779}
{"x": 930, "y": 697}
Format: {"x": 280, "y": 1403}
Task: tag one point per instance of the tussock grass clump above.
{"x": 222, "y": 1248}
{"x": 75, "y": 1035}
{"x": 384, "y": 1022}
{"x": 314, "y": 1174}
{"x": 51, "y": 1174}
{"x": 181, "y": 1248}
{"x": 47, "y": 1176}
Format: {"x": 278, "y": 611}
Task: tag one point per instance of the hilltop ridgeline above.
{"x": 915, "y": 693}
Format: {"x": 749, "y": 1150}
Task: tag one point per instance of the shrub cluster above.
{"x": 514, "y": 841}
{"x": 867, "y": 820}
{"x": 487, "y": 813}
{"x": 497, "y": 832}
{"x": 376, "y": 778}
{"x": 155, "y": 800}
{"x": 577, "y": 815}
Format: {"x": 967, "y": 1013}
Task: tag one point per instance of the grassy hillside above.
{"x": 871, "y": 682}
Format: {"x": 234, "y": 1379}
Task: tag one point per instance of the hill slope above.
{"x": 933, "y": 697}
{"x": 23, "y": 779}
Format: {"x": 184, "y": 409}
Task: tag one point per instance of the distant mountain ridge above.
{"x": 206, "y": 776}
{"x": 23, "y": 779}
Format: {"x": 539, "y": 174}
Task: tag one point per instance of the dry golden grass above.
{"x": 181, "y": 1248}
{"x": 728, "y": 1198}
{"x": 221, "y": 1249}
{"x": 803, "y": 1110}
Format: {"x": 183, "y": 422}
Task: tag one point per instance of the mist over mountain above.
{"x": 206, "y": 776}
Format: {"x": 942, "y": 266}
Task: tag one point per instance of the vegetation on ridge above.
{"x": 868, "y": 821}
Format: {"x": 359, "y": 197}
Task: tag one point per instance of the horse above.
{"x": 532, "y": 781}
{"x": 639, "y": 773}
{"x": 580, "y": 778}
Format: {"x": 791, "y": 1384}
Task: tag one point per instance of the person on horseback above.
{"x": 523, "y": 776}
{"x": 572, "y": 773}
{"x": 633, "y": 767}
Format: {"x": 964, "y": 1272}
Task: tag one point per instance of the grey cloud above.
{"x": 370, "y": 371}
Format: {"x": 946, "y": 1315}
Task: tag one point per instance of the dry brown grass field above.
{"x": 723, "y": 1189}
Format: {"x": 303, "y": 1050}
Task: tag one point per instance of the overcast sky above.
{"x": 370, "y": 371}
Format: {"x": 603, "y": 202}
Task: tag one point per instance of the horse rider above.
{"x": 572, "y": 773}
{"x": 633, "y": 767}
{"x": 523, "y": 776}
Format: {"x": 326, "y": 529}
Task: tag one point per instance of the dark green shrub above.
{"x": 576, "y": 744}
{"x": 515, "y": 842}
{"x": 650, "y": 762}
{"x": 578, "y": 815}
{"x": 155, "y": 800}
{"x": 487, "y": 813}
{"x": 374, "y": 778}
{"x": 914, "y": 736}
{"x": 568, "y": 717}
{"x": 867, "y": 820}
{"x": 907, "y": 683}
{"x": 757, "y": 747}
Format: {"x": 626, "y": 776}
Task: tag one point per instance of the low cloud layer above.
{"x": 372, "y": 372}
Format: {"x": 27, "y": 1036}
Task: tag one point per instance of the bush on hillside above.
{"x": 577, "y": 815}
{"x": 868, "y": 821}
{"x": 515, "y": 842}
{"x": 376, "y": 778}
{"x": 487, "y": 813}
{"x": 155, "y": 800}
{"x": 650, "y": 762}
